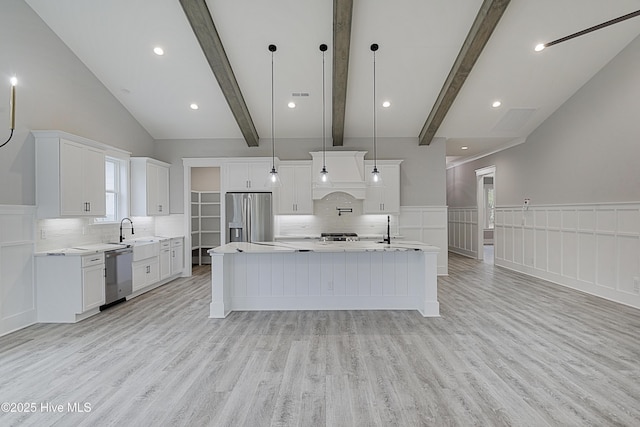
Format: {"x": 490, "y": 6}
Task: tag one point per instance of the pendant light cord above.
{"x": 7, "y": 141}
{"x": 375, "y": 154}
{"x": 324, "y": 160}
{"x": 273, "y": 144}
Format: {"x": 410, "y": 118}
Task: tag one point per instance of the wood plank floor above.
{"x": 508, "y": 350}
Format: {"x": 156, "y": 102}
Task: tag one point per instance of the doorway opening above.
{"x": 486, "y": 203}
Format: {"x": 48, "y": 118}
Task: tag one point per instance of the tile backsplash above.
{"x": 69, "y": 232}
{"x": 326, "y": 219}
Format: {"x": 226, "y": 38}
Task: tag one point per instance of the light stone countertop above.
{"x": 95, "y": 248}
{"x": 302, "y": 246}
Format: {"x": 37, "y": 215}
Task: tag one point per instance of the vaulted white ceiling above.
{"x": 419, "y": 41}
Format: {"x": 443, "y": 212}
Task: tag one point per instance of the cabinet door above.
{"x": 237, "y": 176}
{"x": 72, "y": 201}
{"x": 286, "y": 193}
{"x": 92, "y": 287}
{"x": 154, "y": 271}
{"x": 304, "y": 192}
{"x": 94, "y": 191}
{"x": 384, "y": 199}
{"x": 165, "y": 263}
{"x": 139, "y": 276}
{"x": 391, "y": 189}
{"x": 259, "y": 175}
{"x": 152, "y": 190}
{"x": 177, "y": 259}
{"x": 163, "y": 190}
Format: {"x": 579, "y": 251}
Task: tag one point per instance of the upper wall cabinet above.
{"x": 70, "y": 176}
{"x": 247, "y": 175}
{"x": 386, "y": 198}
{"x": 295, "y": 192}
{"x": 149, "y": 187}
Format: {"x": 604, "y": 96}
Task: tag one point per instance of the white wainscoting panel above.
{"x": 427, "y": 224}
{"x": 463, "y": 231}
{"x": 17, "y": 290}
{"x": 591, "y": 248}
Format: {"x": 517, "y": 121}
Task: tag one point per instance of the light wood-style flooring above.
{"x": 508, "y": 350}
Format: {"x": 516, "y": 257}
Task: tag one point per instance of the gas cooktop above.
{"x": 339, "y": 237}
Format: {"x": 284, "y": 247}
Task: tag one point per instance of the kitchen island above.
{"x": 316, "y": 275}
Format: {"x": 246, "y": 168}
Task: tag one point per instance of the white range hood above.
{"x": 346, "y": 172}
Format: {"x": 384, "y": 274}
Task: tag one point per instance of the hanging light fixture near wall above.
{"x": 274, "y": 178}
{"x": 324, "y": 179}
{"x": 12, "y": 114}
{"x": 375, "y": 179}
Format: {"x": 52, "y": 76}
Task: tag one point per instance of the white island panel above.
{"x": 339, "y": 277}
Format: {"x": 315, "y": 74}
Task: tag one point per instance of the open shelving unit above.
{"x": 205, "y": 225}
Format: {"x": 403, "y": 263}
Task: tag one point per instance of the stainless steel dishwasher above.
{"x": 118, "y": 276}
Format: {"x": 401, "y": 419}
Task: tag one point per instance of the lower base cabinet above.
{"x": 69, "y": 288}
{"x": 146, "y": 272}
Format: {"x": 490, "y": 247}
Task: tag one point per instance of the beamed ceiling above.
{"x": 441, "y": 64}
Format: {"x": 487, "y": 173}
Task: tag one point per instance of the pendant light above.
{"x": 324, "y": 180}
{"x": 274, "y": 178}
{"x": 375, "y": 179}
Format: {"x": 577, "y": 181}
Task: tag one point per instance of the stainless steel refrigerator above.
{"x": 249, "y": 217}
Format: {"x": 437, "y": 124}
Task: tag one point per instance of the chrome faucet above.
{"x": 121, "y": 235}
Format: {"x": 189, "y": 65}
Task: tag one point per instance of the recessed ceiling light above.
{"x": 158, "y": 51}
{"x": 539, "y": 47}
{"x": 496, "y": 104}
{"x": 194, "y": 106}
{"x": 464, "y": 147}
{"x": 291, "y": 104}
{"x": 386, "y": 104}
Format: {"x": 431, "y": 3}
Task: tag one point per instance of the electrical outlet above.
{"x": 636, "y": 285}
{"x": 43, "y": 234}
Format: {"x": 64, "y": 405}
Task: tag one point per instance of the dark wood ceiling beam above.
{"x": 203, "y": 27}
{"x": 486, "y": 21}
{"x": 342, "y": 16}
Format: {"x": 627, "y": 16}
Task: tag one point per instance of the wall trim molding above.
{"x": 593, "y": 248}
{"x": 17, "y": 284}
{"x": 427, "y": 224}
{"x": 463, "y": 231}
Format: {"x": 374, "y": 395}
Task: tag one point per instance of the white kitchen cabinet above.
{"x": 386, "y": 198}
{"x": 165, "y": 259}
{"x": 70, "y": 176}
{"x": 295, "y": 194}
{"x": 149, "y": 187}
{"x": 177, "y": 255}
{"x": 250, "y": 175}
{"x": 146, "y": 272}
{"x": 69, "y": 288}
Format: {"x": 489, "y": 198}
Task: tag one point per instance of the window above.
{"x": 115, "y": 185}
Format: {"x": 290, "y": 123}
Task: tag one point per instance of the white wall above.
{"x": 55, "y": 92}
{"x": 585, "y": 154}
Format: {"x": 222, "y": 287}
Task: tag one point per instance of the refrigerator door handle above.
{"x": 248, "y": 218}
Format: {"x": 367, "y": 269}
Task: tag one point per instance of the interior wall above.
{"x": 205, "y": 179}
{"x": 580, "y": 170}
{"x": 55, "y": 91}
{"x": 422, "y": 172}
{"x": 586, "y": 152}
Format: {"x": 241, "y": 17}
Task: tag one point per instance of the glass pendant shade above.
{"x": 375, "y": 178}
{"x": 324, "y": 180}
{"x": 274, "y": 178}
